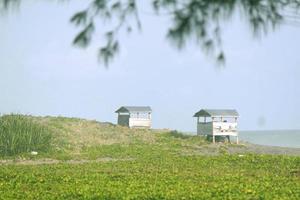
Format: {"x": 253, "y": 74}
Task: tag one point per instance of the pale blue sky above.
{"x": 41, "y": 73}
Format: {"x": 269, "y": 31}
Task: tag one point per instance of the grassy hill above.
{"x": 74, "y": 138}
{"x": 81, "y": 159}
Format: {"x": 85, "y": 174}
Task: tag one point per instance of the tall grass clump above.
{"x": 21, "y": 134}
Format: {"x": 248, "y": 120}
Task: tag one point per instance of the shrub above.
{"x": 218, "y": 138}
{"x": 178, "y": 134}
{"x": 20, "y": 134}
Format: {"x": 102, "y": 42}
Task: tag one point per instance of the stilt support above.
{"x": 228, "y": 139}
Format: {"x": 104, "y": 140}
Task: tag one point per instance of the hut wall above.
{"x": 140, "y": 122}
{"x": 123, "y": 120}
{"x": 204, "y": 128}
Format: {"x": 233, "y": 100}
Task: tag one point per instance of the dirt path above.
{"x": 242, "y": 148}
{"x": 48, "y": 161}
{"x": 262, "y": 149}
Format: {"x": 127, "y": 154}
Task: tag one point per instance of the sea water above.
{"x": 283, "y": 138}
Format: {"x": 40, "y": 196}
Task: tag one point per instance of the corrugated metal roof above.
{"x": 217, "y": 112}
{"x": 131, "y": 109}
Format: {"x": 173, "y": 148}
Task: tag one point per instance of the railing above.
{"x": 225, "y": 128}
{"x": 217, "y": 128}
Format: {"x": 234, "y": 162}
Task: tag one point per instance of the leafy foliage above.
{"x": 4, "y": 4}
{"x": 198, "y": 21}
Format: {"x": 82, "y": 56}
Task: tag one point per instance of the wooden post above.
{"x": 237, "y": 139}
{"x": 228, "y": 138}
{"x": 214, "y": 139}
{"x": 118, "y": 119}
{"x": 197, "y": 125}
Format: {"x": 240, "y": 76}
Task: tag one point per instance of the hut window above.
{"x": 140, "y": 115}
{"x": 205, "y": 119}
{"x": 229, "y": 119}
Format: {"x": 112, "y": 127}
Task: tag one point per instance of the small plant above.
{"x": 178, "y": 134}
{"x": 219, "y": 138}
{"x": 20, "y": 134}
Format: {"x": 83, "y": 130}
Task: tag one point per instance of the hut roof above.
{"x": 217, "y": 113}
{"x": 134, "y": 109}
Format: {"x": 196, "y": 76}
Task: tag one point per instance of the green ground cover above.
{"x": 156, "y": 175}
{"x": 103, "y": 161}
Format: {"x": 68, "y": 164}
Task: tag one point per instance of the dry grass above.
{"x": 79, "y": 133}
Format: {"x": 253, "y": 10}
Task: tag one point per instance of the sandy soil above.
{"x": 242, "y": 148}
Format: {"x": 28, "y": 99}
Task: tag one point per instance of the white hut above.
{"x": 134, "y": 116}
{"x": 212, "y": 122}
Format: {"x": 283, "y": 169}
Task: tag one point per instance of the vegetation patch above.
{"x": 20, "y": 134}
{"x": 178, "y": 134}
{"x": 157, "y": 174}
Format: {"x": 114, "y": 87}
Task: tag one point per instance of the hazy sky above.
{"x": 41, "y": 73}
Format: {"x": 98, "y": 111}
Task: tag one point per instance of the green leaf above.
{"x": 80, "y": 18}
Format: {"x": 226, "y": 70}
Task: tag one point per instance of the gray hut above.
{"x": 134, "y": 116}
{"x": 213, "y": 122}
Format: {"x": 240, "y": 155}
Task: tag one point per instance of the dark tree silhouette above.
{"x": 199, "y": 21}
